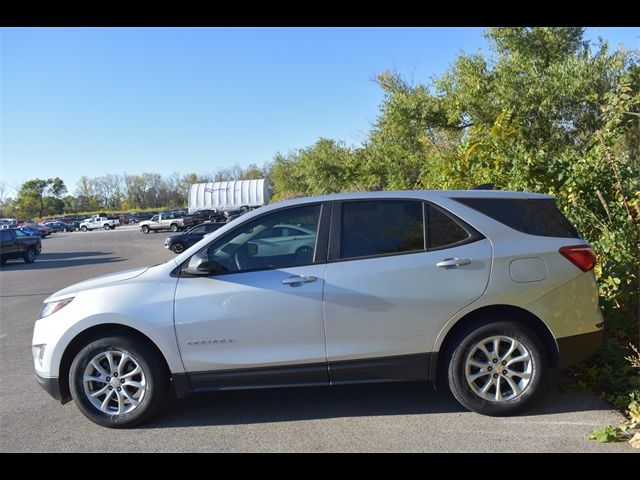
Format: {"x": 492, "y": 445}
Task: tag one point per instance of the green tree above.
{"x": 40, "y": 197}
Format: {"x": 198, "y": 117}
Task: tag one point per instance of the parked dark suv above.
{"x": 17, "y": 244}
{"x": 179, "y": 243}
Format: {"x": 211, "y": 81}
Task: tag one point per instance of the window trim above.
{"x": 321, "y": 247}
{"x": 336, "y": 229}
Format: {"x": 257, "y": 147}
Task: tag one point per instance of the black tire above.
{"x": 304, "y": 255}
{"x": 155, "y": 374}
{"x": 106, "y": 226}
{"x": 83, "y": 228}
{"x": 174, "y": 227}
{"x": 30, "y": 255}
{"x": 466, "y": 342}
{"x": 177, "y": 247}
{"x": 112, "y": 227}
{"x": 145, "y": 229}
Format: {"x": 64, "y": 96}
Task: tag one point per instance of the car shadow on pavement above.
{"x": 61, "y": 260}
{"x": 313, "y": 403}
{"x": 305, "y": 403}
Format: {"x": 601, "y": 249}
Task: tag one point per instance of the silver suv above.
{"x": 483, "y": 289}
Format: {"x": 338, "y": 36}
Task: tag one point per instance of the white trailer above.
{"x": 228, "y": 195}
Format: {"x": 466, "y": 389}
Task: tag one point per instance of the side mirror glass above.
{"x": 252, "y": 249}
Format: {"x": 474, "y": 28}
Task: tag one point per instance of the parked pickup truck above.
{"x": 15, "y": 243}
{"x": 96, "y": 222}
{"x": 165, "y": 221}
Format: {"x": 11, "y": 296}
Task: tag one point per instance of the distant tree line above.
{"x": 40, "y": 198}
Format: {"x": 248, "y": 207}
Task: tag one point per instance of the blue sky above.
{"x": 92, "y": 101}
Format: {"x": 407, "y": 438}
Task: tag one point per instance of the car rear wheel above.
{"x": 177, "y": 247}
{"x": 30, "y": 255}
{"x": 174, "y": 227}
{"x": 118, "y": 381}
{"x": 495, "y": 369}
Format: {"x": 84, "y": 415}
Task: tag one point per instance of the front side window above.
{"x": 255, "y": 246}
{"x": 198, "y": 229}
{"x": 381, "y": 227}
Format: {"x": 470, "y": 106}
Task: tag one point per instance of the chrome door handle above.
{"x": 298, "y": 279}
{"x": 453, "y": 262}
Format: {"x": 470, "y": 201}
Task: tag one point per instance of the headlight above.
{"x": 53, "y": 307}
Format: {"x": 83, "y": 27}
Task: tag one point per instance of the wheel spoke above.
{"x": 522, "y": 375}
{"x": 477, "y": 364}
{"x": 109, "y": 357}
{"x": 484, "y": 350}
{"x": 123, "y": 360}
{"x": 475, "y": 376}
{"x": 131, "y": 399}
{"x": 97, "y": 393}
{"x": 498, "y": 389}
{"x": 99, "y": 368}
{"x": 132, "y": 384}
{"x": 512, "y": 347}
{"x": 105, "y": 403}
{"x": 514, "y": 386}
{"x": 520, "y": 358}
{"x": 133, "y": 372}
{"x": 89, "y": 378}
{"x": 487, "y": 385}
{"x": 496, "y": 347}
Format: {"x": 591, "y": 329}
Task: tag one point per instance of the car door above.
{"x": 10, "y": 247}
{"x": 387, "y": 290}
{"x": 255, "y": 320}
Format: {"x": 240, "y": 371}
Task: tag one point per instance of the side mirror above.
{"x": 199, "y": 264}
{"x": 252, "y": 249}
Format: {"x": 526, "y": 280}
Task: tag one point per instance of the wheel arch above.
{"x": 80, "y": 340}
{"x": 527, "y": 318}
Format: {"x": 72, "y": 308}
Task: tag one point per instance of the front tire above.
{"x": 83, "y": 228}
{"x": 145, "y": 229}
{"x": 118, "y": 381}
{"x": 177, "y": 247}
{"x": 495, "y": 369}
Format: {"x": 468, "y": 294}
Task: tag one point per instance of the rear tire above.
{"x": 130, "y": 383}
{"x": 174, "y": 227}
{"x": 30, "y": 255}
{"x": 496, "y": 368}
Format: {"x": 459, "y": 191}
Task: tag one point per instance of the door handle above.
{"x": 453, "y": 262}
{"x": 299, "y": 279}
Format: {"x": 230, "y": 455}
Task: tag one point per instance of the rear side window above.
{"x": 539, "y": 217}
{"x": 443, "y": 230}
{"x": 381, "y": 227}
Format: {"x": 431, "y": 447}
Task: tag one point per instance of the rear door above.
{"x": 10, "y": 247}
{"x": 397, "y": 271}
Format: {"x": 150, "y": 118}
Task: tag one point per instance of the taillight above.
{"x": 580, "y": 255}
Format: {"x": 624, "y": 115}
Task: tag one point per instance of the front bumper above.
{"x": 52, "y": 387}
{"x": 578, "y": 348}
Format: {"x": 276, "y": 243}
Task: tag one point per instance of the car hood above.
{"x": 100, "y": 281}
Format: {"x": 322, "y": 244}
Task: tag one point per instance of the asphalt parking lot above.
{"x": 394, "y": 417}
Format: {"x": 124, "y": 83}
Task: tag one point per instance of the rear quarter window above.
{"x": 539, "y": 217}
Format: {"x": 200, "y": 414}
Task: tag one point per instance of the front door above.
{"x": 258, "y": 319}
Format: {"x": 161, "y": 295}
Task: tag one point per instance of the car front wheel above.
{"x": 118, "y": 381}
{"x": 496, "y": 369}
{"x": 177, "y": 247}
